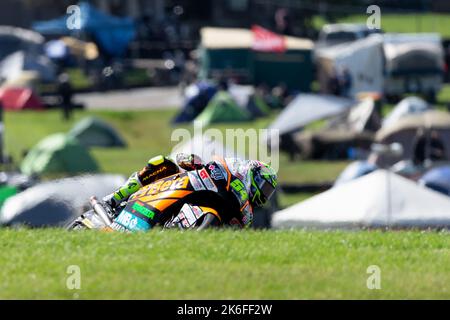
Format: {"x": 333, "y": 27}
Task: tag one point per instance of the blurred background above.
{"x": 90, "y": 94}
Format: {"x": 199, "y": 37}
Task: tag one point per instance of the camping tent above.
{"x": 256, "y": 106}
{"x": 408, "y": 106}
{"x": 362, "y": 58}
{"x": 362, "y": 116}
{"x": 14, "y": 39}
{"x": 230, "y": 52}
{"x": 355, "y": 170}
{"x": 112, "y": 34}
{"x": 58, "y": 153}
{"x": 197, "y": 97}
{"x": 93, "y": 132}
{"x": 405, "y": 132}
{"x": 13, "y": 66}
{"x": 438, "y": 179}
{"x": 57, "y": 202}
{"x": 307, "y": 108}
{"x": 222, "y": 108}
{"x": 20, "y": 98}
{"x": 386, "y": 200}
{"x": 331, "y": 144}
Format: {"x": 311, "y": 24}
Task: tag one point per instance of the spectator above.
{"x": 428, "y": 149}
{"x": 65, "y": 92}
{"x": 283, "y": 22}
{"x": 345, "y": 82}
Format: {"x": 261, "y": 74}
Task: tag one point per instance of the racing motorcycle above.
{"x": 198, "y": 199}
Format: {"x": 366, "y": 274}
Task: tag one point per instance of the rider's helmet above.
{"x": 263, "y": 181}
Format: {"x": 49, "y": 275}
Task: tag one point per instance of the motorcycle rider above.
{"x": 259, "y": 179}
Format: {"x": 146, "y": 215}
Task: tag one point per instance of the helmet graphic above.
{"x": 263, "y": 181}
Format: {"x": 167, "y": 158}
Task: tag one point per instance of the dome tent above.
{"x": 93, "y": 132}
{"x": 222, "y": 108}
{"x": 58, "y": 153}
{"x": 389, "y": 201}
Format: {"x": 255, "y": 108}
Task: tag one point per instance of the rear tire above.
{"x": 209, "y": 221}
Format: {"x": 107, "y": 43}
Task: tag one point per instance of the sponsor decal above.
{"x": 139, "y": 207}
{"x": 239, "y": 190}
{"x": 195, "y": 181}
{"x": 207, "y": 180}
{"x": 247, "y": 216}
{"x": 118, "y": 227}
{"x": 165, "y": 185}
{"x": 197, "y": 211}
{"x": 216, "y": 173}
{"x": 131, "y": 222}
{"x": 189, "y": 214}
{"x": 145, "y": 175}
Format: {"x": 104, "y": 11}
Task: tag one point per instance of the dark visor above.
{"x": 267, "y": 189}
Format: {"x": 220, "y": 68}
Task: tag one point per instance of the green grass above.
{"x": 224, "y": 265}
{"x": 405, "y": 23}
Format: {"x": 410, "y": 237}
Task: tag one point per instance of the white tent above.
{"x": 307, "y": 108}
{"x": 13, "y": 66}
{"x": 362, "y": 58}
{"x": 379, "y": 199}
{"x": 408, "y": 106}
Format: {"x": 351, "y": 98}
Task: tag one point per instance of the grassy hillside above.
{"x": 405, "y": 23}
{"x": 224, "y": 264}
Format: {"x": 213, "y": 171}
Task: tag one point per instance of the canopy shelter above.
{"x": 386, "y": 200}
{"x": 409, "y": 129}
{"x": 111, "y": 34}
{"x": 307, "y": 108}
{"x": 235, "y": 53}
{"x": 408, "y": 106}
{"x": 58, "y": 202}
{"x": 58, "y": 153}
{"x": 93, "y": 132}
{"x": 222, "y": 108}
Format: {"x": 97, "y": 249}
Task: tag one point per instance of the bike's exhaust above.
{"x": 100, "y": 210}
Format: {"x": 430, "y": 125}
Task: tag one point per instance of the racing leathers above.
{"x": 160, "y": 166}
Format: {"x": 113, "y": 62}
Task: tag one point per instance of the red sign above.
{"x": 267, "y": 41}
